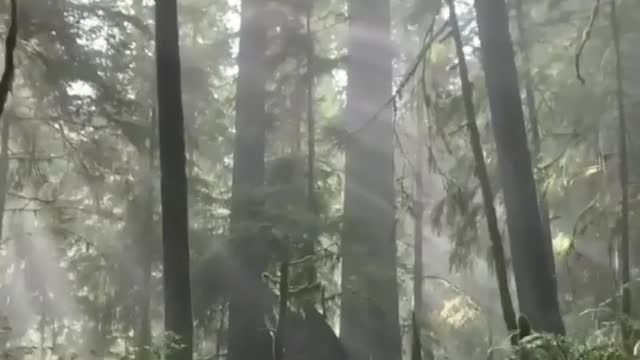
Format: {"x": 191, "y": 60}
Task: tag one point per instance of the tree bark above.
{"x": 175, "y": 226}
{"x": 369, "y": 312}
{"x": 495, "y": 237}
{"x": 535, "y": 282}
{"x": 623, "y": 245}
{"x": 6, "y": 84}
{"x": 532, "y": 117}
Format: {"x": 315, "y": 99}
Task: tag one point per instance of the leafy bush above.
{"x": 551, "y": 347}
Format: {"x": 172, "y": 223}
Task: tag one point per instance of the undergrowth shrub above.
{"x": 553, "y": 347}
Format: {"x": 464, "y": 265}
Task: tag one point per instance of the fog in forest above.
{"x": 319, "y": 180}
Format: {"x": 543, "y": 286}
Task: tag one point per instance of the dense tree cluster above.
{"x": 329, "y": 179}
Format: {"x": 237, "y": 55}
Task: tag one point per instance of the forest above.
{"x": 319, "y": 179}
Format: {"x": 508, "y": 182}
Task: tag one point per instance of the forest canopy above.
{"x": 319, "y": 180}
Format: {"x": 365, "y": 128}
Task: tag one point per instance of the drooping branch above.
{"x": 431, "y": 36}
{"x": 586, "y": 35}
{"x": 495, "y": 237}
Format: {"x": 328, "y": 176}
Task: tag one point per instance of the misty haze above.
{"x": 320, "y": 180}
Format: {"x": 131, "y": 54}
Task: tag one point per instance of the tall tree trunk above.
{"x": 416, "y": 343}
{"x": 418, "y": 209}
{"x": 623, "y": 245}
{"x": 535, "y": 282}
{"x": 369, "y": 315}
{"x": 145, "y": 239}
{"x": 220, "y": 330}
{"x": 312, "y": 234}
{"x": 6, "y": 83}
{"x": 495, "y": 238}
{"x": 530, "y": 98}
{"x": 532, "y": 116}
{"x": 418, "y": 238}
{"x": 175, "y": 226}
{"x": 248, "y": 337}
{"x": 145, "y": 244}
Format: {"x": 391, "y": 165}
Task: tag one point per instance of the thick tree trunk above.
{"x": 482, "y": 174}
{"x": 307, "y": 337}
{"x": 623, "y": 245}
{"x": 175, "y": 226}
{"x": 535, "y": 282}
{"x": 369, "y": 313}
{"x": 534, "y": 127}
{"x": 248, "y": 337}
{"x": 6, "y": 83}
{"x": 532, "y": 116}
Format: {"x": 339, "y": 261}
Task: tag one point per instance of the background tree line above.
{"x": 361, "y": 179}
